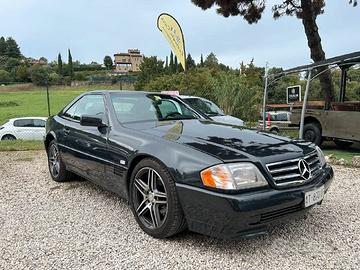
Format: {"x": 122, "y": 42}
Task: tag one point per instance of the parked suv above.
{"x": 276, "y": 121}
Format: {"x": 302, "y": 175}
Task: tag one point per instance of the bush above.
{"x": 40, "y": 75}
{"x": 4, "y": 76}
{"x": 22, "y": 74}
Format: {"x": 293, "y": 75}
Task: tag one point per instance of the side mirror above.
{"x": 91, "y": 121}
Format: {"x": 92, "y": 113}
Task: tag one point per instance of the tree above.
{"x": 171, "y": 65}
{"x": 190, "y": 63}
{"x": 12, "y": 48}
{"x": 22, "y": 74}
{"x": 150, "y": 68}
{"x": 305, "y": 10}
{"x": 2, "y": 46}
{"x": 201, "y": 61}
{"x": 211, "y": 61}
{"x": 4, "y": 76}
{"x": 60, "y": 65}
{"x": 70, "y": 65}
{"x": 176, "y": 65}
{"x": 108, "y": 62}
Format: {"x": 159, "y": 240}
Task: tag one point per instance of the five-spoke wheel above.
{"x": 154, "y": 200}
{"x": 150, "y": 197}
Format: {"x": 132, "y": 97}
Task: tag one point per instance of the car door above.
{"x": 38, "y": 131}
{"x": 23, "y": 129}
{"x": 86, "y": 146}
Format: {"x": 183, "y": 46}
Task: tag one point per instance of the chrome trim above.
{"x": 290, "y": 168}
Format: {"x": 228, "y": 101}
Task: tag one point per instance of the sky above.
{"x": 95, "y": 28}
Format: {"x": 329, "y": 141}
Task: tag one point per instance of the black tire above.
{"x": 312, "y": 133}
{"x": 274, "y": 131}
{"x": 173, "y": 220}
{"x": 57, "y": 171}
{"x": 8, "y": 137}
{"x": 343, "y": 144}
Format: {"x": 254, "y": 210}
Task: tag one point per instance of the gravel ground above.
{"x": 77, "y": 225}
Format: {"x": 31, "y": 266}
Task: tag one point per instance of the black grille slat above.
{"x": 286, "y": 173}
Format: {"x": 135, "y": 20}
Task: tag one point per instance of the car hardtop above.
{"x": 27, "y": 117}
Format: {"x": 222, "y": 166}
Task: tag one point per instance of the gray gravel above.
{"x": 77, "y": 225}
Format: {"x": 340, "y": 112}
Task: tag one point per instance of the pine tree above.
{"x": 70, "y": 65}
{"x": 201, "y": 61}
{"x": 2, "y": 46}
{"x": 60, "y": 65}
{"x": 12, "y": 48}
{"x": 171, "y": 65}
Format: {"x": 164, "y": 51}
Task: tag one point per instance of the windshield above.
{"x": 205, "y": 106}
{"x": 149, "y": 107}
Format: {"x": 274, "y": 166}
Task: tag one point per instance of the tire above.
{"x": 155, "y": 203}
{"x": 343, "y": 144}
{"x": 312, "y": 133}
{"x": 8, "y": 137}
{"x": 57, "y": 168}
{"x": 274, "y": 131}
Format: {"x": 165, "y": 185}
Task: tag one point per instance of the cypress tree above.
{"x": 2, "y": 46}
{"x": 175, "y": 68}
{"x": 201, "y": 61}
{"x": 171, "y": 65}
{"x": 60, "y": 65}
{"x": 70, "y": 65}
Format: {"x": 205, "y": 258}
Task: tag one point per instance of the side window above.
{"x": 24, "y": 123}
{"x": 39, "y": 123}
{"x": 166, "y": 107}
{"x": 87, "y": 105}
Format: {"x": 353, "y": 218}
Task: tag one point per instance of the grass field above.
{"x": 33, "y": 102}
{"x": 20, "y": 145}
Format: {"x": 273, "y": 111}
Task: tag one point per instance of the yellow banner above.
{"x": 171, "y": 29}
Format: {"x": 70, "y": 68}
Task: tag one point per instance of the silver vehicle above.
{"x": 211, "y": 110}
{"x": 277, "y": 121}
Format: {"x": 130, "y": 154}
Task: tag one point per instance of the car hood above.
{"x": 226, "y": 142}
{"x": 228, "y": 119}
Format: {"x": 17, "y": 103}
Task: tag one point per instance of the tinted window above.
{"x": 150, "y": 107}
{"x": 39, "y": 123}
{"x": 87, "y": 105}
{"x": 24, "y": 123}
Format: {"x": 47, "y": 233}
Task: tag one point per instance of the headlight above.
{"x": 233, "y": 176}
{"x": 321, "y": 156}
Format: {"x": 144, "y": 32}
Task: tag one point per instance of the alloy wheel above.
{"x": 150, "y": 198}
{"x": 54, "y": 160}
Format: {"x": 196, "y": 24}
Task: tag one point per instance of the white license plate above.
{"x": 314, "y": 196}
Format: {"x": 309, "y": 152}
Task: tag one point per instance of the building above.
{"x": 128, "y": 62}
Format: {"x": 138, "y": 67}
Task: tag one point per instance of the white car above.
{"x": 211, "y": 110}
{"x": 24, "y": 128}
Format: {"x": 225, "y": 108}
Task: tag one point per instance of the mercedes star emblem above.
{"x": 304, "y": 169}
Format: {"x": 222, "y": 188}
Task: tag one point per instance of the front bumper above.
{"x": 230, "y": 216}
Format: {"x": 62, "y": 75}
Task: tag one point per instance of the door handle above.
{"x": 66, "y": 130}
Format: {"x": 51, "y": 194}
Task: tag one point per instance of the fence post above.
{"x": 47, "y": 96}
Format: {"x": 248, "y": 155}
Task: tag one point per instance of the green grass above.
{"x": 347, "y": 154}
{"x": 33, "y": 102}
{"x": 20, "y": 145}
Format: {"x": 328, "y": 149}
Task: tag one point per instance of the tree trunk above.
{"x": 317, "y": 52}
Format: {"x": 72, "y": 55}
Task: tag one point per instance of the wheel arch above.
{"x": 49, "y": 137}
{"x": 8, "y": 134}
{"x": 312, "y": 119}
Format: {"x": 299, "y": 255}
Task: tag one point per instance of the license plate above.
{"x": 314, "y": 196}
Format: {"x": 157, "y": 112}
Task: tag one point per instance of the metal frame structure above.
{"x": 344, "y": 62}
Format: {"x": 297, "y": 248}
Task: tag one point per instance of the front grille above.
{"x": 287, "y": 172}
